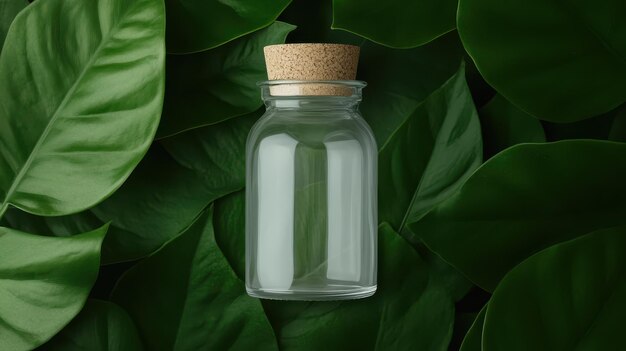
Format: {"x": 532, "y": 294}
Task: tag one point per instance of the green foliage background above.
{"x": 502, "y": 200}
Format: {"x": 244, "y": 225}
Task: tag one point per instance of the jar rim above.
{"x": 346, "y": 83}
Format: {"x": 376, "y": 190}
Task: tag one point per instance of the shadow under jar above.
{"x": 311, "y": 219}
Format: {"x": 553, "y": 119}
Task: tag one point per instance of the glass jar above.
{"x": 311, "y": 194}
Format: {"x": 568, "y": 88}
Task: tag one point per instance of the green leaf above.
{"x": 398, "y": 24}
{"x": 561, "y": 61}
{"x": 410, "y": 310}
{"x": 429, "y": 155}
{"x": 45, "y": 282}
{"x": 186, "y": 297}
{"x": 8, "y": 10}
{"x": 570, "y": 296}
{"x": 473, "y": 338}
{"x": 525, "y": 199}
{"x": 158, "y": 201}
{"x": 504, "y": 125}
{"x": 230, "y": 232}
{"x": 313, "y": 19}
{"x": 86, "y": 77}
{"x": 100, "y": 326}
{"x": 197, "y": 25}
{"x": 400, "y": 80}
{"x": 216, "y": 153}
{"x": 212, "y": 86}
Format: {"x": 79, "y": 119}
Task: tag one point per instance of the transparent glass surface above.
{"x": 311, "y": 220}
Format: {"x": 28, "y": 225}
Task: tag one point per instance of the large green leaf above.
{"x": 212, "y": 86}
{"x": 559, "y": 60}
{"x": 44, "y": 283}
{"x": 504, "y": 125}
{"x": 100, "y": 326}
{"x": 571, "y": 296}
{"x": 524, "y": 199}
{"x": 473, "y": 338}
{"x": 411, "y": 309}
{"x": 8, "y": 10}
{"x": 396, "y": 23}
{"x": 82, "y": 88}
{"x": 429, "y": 155}
{"x": 186, "y": 297}
{"x": 197, "y": 25}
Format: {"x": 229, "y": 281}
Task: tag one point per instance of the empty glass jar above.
{"x": 311, "y": 219}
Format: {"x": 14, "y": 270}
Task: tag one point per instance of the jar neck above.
{"x": 312, "y": 95}
{"x": 312, "y": 103}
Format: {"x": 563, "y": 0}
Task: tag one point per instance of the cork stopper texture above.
{"x": 311, "y": 62}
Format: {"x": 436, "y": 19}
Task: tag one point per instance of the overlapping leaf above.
{"x": 213, "y": 86}
{"x": 398, "y": 24}
{"x": 45, "y": 282}
{"x": 561, "y": 61}
{"x": 504, "y": 125}
{"x": 82, "y": 89}
{"x": 525, "y": 199}
{"x": 570, "y": 296}
{"x": 186, "y": 297}
{"x": 100, "y": 326}
{"x": 197, "y": 25}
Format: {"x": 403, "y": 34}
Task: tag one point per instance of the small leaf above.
{"x": 398, "y": 24}
{"x": 82, "y": 88}
{"x": 504, "y": 125}
{"x": 473, "y": 338}
{"x": 45, "y": 282}
{"x": 100, "y": 326}
{"x": 525, "y": 199}
{"x": 570, "y": 296}
{"x": 198, "y": 25}
{"x": 213, "y": 86}
{"x": 186, "y": 297}
{"x": 561, "y": 61}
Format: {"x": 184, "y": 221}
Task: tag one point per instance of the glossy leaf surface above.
{"x": 561, "y": 61}
{"x": 197, "y": 25}
{"x": 204, "y": 304}
{"x": 213, "y": 86}
{"x": 76, "y": 74}
{"x": 45, "y": 282}
{"x": 396, "y": 23}
{"x": 100, "y": 326}
{"x": 570, "y": 296}
{"x": 525, "y": 199}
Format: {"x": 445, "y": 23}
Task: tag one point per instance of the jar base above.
{"x": 338, "y": 293}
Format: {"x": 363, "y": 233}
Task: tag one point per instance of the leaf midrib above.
{"x": 33, "y": 154}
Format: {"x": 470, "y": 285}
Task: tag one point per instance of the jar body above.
{"x": 311, "y": 204}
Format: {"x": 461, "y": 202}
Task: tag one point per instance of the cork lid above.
{"x": 311, "y": 62}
